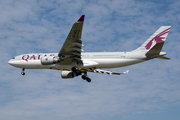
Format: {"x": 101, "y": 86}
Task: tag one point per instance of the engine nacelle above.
{"x": 49, "y": 60}
{"x": 67, "y": 74}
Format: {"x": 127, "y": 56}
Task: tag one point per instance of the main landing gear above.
{"x": 78, "y": 72}
{"x": 23, "y": 73}
{"x": 85, "y": 77}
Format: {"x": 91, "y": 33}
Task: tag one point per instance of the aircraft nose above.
{"x": 14, "y": 63}
{"x": 11, "y": 62}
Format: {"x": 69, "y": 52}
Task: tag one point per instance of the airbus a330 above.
{"x": 73, "y": 62}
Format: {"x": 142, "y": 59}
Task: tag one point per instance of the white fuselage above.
{"x": 90, "y": 60}
{"x": 73, "y": 62}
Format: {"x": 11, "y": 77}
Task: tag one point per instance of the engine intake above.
{"x": 49, "y": 60}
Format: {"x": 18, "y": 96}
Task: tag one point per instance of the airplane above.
{"x": 73, "y": 62}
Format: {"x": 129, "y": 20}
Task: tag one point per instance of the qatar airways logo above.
{"x": 35, "y": 57}
{"x": 158, "y": 38}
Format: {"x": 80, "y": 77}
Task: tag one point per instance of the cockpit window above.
{"x": 13, "y": 58}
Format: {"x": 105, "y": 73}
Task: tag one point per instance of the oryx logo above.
{"x": 158, "y": 38}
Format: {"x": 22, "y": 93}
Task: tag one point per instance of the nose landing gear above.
{"x": 23, "y": 73}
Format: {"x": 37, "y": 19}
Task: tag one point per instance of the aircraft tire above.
{"x": 88, "y": 79}
{"x": 83, "y": 77}
{"x": 22, "y": 73}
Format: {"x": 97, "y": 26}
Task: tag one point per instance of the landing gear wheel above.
{"x": 22, "y": 73}
{"x": 83, "y": 77}
{"x": 88, "y": 79}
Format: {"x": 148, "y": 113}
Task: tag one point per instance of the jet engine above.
{"x": 48, "y": 60}
{"x": 68, "y": 74}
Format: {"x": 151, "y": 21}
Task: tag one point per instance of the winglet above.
{"x": 81, "y": 19}
{"x": 126, "y": 72}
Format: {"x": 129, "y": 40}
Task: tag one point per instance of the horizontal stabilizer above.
{"x": 155, "y": 49}
{"x": 163, "y": 57}
{"x": 109, "y": 72}
{"x": 155, "y": 52}
{"x": 116, "y": 73}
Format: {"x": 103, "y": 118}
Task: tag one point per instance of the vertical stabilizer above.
{"x": 155, "y": 41}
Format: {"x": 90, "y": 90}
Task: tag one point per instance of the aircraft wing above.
{"x": 71, "y": 48}
{"x": 109, "y": 72}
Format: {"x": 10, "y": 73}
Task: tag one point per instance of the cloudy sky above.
{"x": 151, "y": 90}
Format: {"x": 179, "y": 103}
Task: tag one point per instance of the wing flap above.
{"x": 109, "y": 72}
